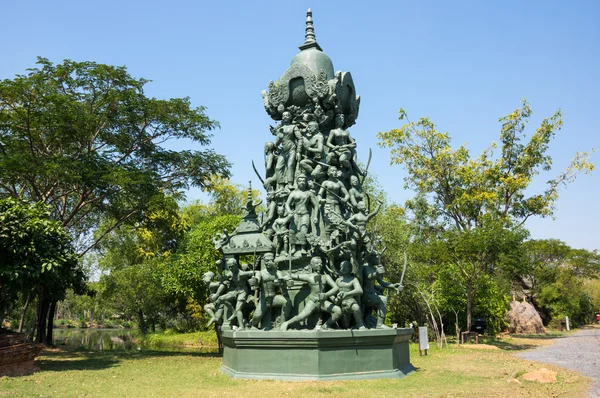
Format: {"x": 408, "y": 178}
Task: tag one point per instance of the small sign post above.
{"x": 567, "y": 319}
{"x": 423, "y": 340}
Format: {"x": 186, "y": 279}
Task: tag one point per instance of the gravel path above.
{"x": 579, "y": 352}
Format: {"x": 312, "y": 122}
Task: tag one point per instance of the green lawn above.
{"x": 470, "y": 370}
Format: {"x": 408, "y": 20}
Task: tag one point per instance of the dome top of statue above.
{"x": 311, "y": 54}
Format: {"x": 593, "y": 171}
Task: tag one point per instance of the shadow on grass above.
{"x": 58, "y": 360}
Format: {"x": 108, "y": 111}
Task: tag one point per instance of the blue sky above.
{"x": 463, "y": 64}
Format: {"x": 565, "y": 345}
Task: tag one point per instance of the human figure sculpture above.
{"x": 303, "y": 206}
{"x": 318, "y": 299}
{"x": 358, "y": 222}
{"x": 341, "y": 145}
{"x": 355, "y": 194}
{"x": 314, "y": 159}
{"x": 240, "y": 290}
{"x": 334, "y": 195}
{"x": 281, "y": 232}
{"x": 286, "y": 161}
{"x": 273, "y": 293}
{"x": 271, "y": 155}
{"x": 350, "y": 289}
{"x": 216, "y": 306}
{"x": 373, "y": 272}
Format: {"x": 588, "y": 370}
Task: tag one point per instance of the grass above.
{"x": 468, "y": 370}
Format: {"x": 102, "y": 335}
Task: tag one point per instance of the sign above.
{"x": 423, "y": 338}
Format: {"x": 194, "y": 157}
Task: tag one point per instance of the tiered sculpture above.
{"x": 316, "y": 264}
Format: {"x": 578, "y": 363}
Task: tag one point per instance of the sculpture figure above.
{"x": 355, "y": 193}
{"x": 303, "y": 207}
{"x": 286, "y": 161}
{"x": 319, "y": 297}
{"x": 334, "y": 195}
{"x": 314, "y": 158}
{"x": 373, "y": 272}
{"x": 273, "y": 293}
{"x": 239, "y": 284}
{"x": 216, "y": 307}
{"x": 350, "y": 289}
{"x": 341, "y": 146}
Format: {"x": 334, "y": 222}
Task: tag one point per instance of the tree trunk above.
{"x": 469, "y": 306}
{"x": 141, "y": 322}
{"x": 42, "y": 317}
{"x": 24, "y": 311}
{"x": 49, "y": 332}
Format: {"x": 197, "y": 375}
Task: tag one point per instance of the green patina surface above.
{"x": 317, "y": 355}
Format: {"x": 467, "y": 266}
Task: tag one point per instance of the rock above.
{"x": 523, "y": 318}
{"x": 16, "y": 355}
{"x": 541, "y": 375}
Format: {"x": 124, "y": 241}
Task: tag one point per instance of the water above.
{"x": 96, "y": 339}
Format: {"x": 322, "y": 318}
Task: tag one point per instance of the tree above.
{"x": 557, "y": 279}
{"x": 84, "y": 138}
{"x": 36, "y": 257}
{"x": 457, "y": 194}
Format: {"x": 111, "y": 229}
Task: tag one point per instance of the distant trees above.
{"x": 36, "y": 260}
{"x": 84, "y": 139}
{"x": 469, "y": 211}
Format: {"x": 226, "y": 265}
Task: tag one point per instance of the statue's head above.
{"x": 301, "y": 182}
{"x": 269, "y": 260}
{"x": 332, "y": 171}
{"x": 232, "y": 265}
{"x": 287, "y": 117}
{"x": 339, "y": 120}
{"x": 269, "y": 147}
{"x": 312, "y": 127}
{"x": 316, "y": 264}
{"x": 354, "y": 181}
{"x": 346, "y": 267}
{"x": 361, "y": 206}
{"x": 208, "y": 277}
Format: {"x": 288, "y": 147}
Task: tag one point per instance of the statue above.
{"x": 373, "y": 272}
{"x": 239, "y": 283}
{"x": 350, "y": 289}
{"x": 286, "y": 161}
{"x": 303, "y": 207}
{"x": 216, "y": 307}
{"x": 318, "y": 298}
{"x": 273, "y": 293}
{"x": 314, "y": 159}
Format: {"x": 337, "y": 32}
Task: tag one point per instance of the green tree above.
{"x": 36, "y": 257}
{"x": 460, "y": 199}
{"x": 84, "y": 138}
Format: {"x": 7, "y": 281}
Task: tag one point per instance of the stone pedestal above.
{"x": 317, "y": 354}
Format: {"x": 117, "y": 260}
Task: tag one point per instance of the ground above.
{"x": 489, "y": 370}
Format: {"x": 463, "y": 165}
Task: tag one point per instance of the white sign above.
{"x": 423, "y": 338}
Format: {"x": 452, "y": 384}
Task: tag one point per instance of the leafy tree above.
{"x": 461, "y": 202}
{"x": 85, "y": 139}
{"x": 36, "y": 257}
{"x": 554, "y": 276}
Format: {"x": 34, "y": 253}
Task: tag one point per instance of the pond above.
{"x": 97, "y": 339}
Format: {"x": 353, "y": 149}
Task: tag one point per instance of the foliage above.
{"x": 554, "y": 279}
{"x": 84, "y": 138}
{"x": 35, "y": 253}
{"x": 468, "y": 211}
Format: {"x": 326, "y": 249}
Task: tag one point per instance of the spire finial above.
{"x": 310, "y": 41}
{"x": 310, "y": 30}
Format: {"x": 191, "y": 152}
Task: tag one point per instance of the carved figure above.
{"x": 350, "y": 289}
{"x": 286, "y": 161}
{"x": 373, "y": 272}
{"x": 318, "y": 298}
{"x": 239, "y": 284}
{"x": 341, "y": 146}
{"x": 334, "y": 195}
{"x": 302, "y": 205}
{"x": 314, "y": 159}
{"x": 216, "y": 307}
{"x": 273, "y": 293}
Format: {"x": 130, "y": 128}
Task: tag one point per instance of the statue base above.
{"x": 317, "y": 354}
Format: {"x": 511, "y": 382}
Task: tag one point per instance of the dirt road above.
{"x": 579, "y": 352}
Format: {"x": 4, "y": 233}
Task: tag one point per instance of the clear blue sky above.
{"x": 464, "y": 64}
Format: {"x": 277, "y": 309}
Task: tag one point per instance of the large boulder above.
{"x": 523, "y": 318}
